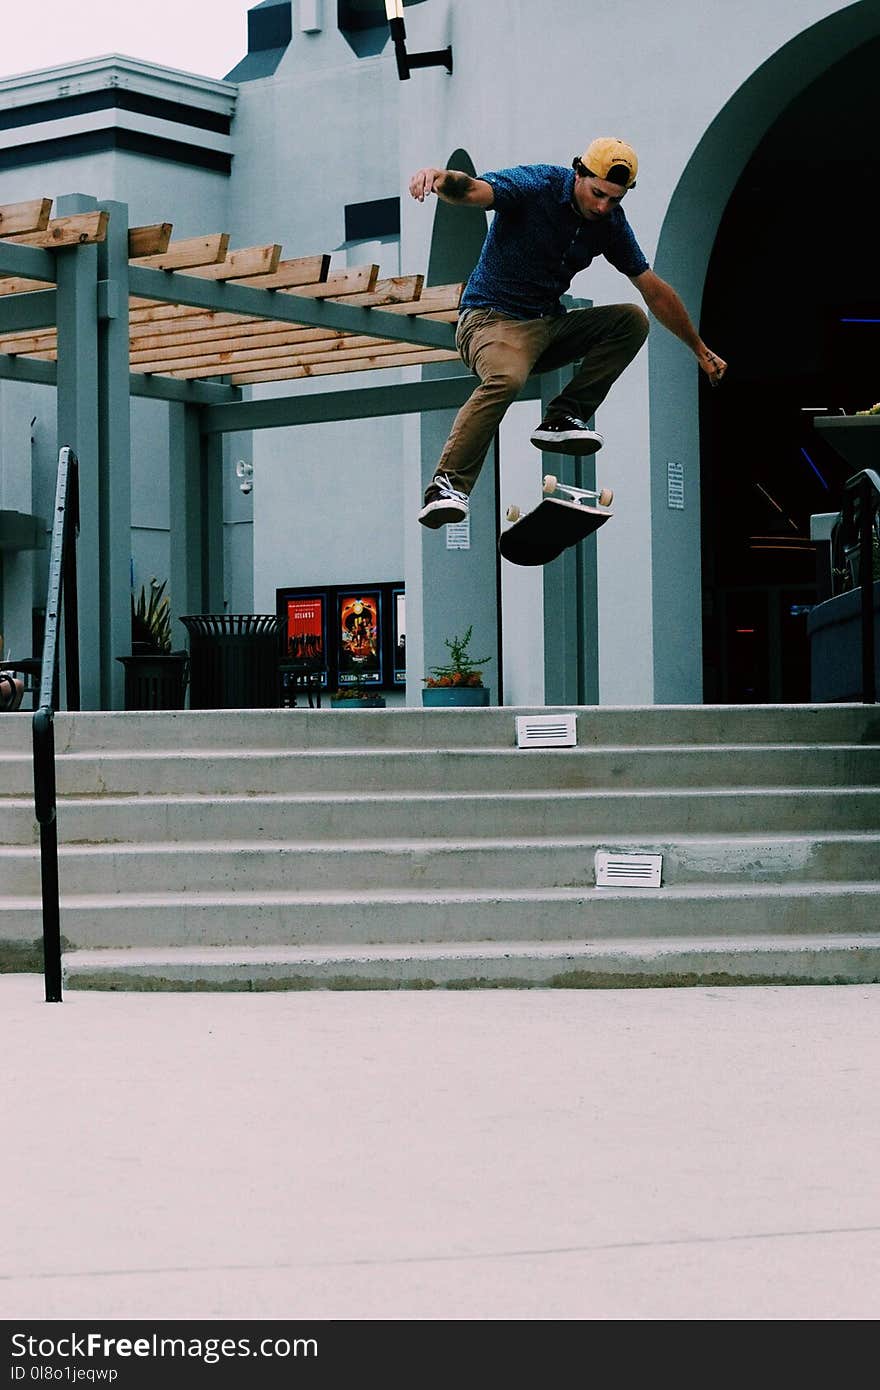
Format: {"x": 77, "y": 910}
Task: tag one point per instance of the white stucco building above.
{"x": 757, "y": 133}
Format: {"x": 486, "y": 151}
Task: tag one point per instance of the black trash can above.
{"x": 233, "y": 660}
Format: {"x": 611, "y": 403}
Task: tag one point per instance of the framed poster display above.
{"x": 344, "y": 634}
{"x": 305, "y": 631}
{"x": 359, "y": 637}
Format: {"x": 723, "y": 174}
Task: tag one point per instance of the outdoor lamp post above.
{"x": 440, "y": 57}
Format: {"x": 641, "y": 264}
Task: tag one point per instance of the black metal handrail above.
{"x": 62, "y": 584}
{"x": 855, "y": 541}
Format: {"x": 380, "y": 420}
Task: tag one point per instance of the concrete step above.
{"x": 575, "y": 914}
{"x": 438, "y": 728}
{"x": 411, "y": 815}
{"x": 229, "y": 773}
{"x": 638, "y": 962}
{"x": 565, "y": 861}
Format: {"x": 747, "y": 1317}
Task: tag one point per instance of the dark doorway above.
{"x": 792, "y": 300}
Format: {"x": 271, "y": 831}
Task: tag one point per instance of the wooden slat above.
{"x": 212, "y": 326}
{"x": 344, "y": 352}
{"x": 76, "y": 230}
{"x": 14, "y": 284}
{"x": 254, "y": 350}
{"x": 414, "y": 358}
{"x": 149, "y": 241}
{"x": 399, "y": 289}
{"x": 179, "y": 320}
{"x": 31, "y": 216}
{"x": 249, "y": 264}
{"x": 164, "y": 349}
{"x": 305, "y": 270}
{"x": 28, "y": 342}
{"x": 192, "y": 251}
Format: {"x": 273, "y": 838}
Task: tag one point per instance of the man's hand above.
{"x": 424, "y": 182}
{"x": 713, "y": 365}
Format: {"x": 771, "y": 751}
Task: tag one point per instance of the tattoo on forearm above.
{"x": 455, "y": 186}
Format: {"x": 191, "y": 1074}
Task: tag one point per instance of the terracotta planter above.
{"x": 445, "y": 695}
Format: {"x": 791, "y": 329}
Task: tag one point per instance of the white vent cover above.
{"x": 546, "y": 730}
{"x": 628, "y": 870}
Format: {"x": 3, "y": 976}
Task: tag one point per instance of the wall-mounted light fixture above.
{"x": 244, "y": 471}
{"x": 439, "y": 58}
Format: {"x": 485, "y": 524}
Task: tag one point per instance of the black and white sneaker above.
{"x": 443, "y": 503}
{"x": 565, "y": 434}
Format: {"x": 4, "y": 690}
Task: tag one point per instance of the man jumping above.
{"x": 550, "y": 222}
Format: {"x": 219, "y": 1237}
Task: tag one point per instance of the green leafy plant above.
{"x": 151, "y": 619}
{"x": 461, "y": 668}
{"x": 872, "y": 410}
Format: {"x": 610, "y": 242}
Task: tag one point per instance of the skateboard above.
{"x": 538, "y": 536}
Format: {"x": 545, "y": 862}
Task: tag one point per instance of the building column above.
{"x": 77, "y": 407}
{"x": 185, "y": 504}
{"x": 114, "y": 460}
{"x": 571, "y": 590}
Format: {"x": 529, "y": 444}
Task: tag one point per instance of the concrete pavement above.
{"x": 592, "y": 1155}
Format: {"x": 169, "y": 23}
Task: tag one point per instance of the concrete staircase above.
{"x": 298, "y": 849}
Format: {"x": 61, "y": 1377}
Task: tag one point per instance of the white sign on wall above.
{"x": 675, "y": 485}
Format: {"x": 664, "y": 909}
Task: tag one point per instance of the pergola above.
{"x": 105, "y": 311}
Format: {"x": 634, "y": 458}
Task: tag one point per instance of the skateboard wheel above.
{"x": 551, "y": 482}
{"x": 606, "y": 497}
{"x": 513, "y": 513}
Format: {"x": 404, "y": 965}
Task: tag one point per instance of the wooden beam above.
{"x": 211, "y": 325}
{"x": 305, "y": 270}
{"x": 31, "y": 216}
{"x": 191, "y": 350}
{"x": 212, "y": 332}
{"x": 76, "y": 230}
{"x": 246, "y": 264}
{"x": 29, "y": 342}
{"x": 14, "y": 284}
{"x": 182, "y": 255}
{"x": 414, "y": 358}
{"x": 345, "y": 352}
{"x": 149, "y": 241}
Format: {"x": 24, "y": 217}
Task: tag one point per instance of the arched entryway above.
{"x": 793, "y": 293}
{"x": 756, "y": 239}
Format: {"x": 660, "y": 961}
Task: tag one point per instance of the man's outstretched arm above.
{"x": 665, "y": 304}
{"x": 453, "y": 187}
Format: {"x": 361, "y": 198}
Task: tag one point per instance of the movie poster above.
{"x": 305, "y": 630}
{"x": 359, "y": 637}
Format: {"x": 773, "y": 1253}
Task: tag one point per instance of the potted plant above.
{"x": 459, "y": 681}
{"x": 357, "y": 696}
{"x": 155, "y": 676}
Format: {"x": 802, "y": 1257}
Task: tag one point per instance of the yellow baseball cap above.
{"x": 605, "y": 153}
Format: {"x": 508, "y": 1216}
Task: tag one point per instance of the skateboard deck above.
{"x": 538, "y": 536}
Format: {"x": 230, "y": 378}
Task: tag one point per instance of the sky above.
{"x": 207, "y": 37}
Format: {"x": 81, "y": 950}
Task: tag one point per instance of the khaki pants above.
{"x": 504, "y": 351}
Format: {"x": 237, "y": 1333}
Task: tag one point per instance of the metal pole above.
{"x": 44, "y": 797}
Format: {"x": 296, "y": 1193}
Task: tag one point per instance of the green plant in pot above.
{"x": 458, "y": 681}
{"x": 155, "y": 676}
{"x": 151, "y": 621}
